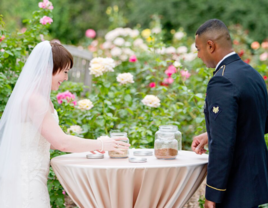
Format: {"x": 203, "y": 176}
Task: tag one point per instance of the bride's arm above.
{"x": 52, "y": 132}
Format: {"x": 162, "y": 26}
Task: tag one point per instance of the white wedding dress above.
{"x": 34, "y": 168}
{"x": 24, "y": 153}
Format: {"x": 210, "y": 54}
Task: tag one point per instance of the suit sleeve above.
{"x": 222, "y": 110}
{"x": 266, "y": 125}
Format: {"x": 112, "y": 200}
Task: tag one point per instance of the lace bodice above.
{"x": 35, "y": 157}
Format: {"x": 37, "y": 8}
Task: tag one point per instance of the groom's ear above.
{"x": 211, "y": 46}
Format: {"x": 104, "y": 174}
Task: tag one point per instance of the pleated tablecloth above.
{"x": 117, "y": 183}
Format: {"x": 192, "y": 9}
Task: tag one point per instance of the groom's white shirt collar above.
{"x": 229, "y": 54}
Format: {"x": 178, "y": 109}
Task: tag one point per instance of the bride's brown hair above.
{"x": 62, "y": 58}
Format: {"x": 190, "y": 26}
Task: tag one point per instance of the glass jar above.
{"x": 167, "y": 142}
{"x": 114, "y": 154}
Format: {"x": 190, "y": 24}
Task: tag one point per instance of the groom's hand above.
{"x": 199, "y": 142}
{"x": 210, "y": 204}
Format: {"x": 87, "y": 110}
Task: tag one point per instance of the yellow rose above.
{"x": 146, "y": 33}
{"x": 150, "y": 39}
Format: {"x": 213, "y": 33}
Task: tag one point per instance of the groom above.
{"x": 236, "y": 119}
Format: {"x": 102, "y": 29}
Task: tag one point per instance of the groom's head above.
{"x": 213, "y": 42}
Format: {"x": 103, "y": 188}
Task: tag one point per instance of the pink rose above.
{"x": 255, "y": 45}
{"x": 23, "y": 30}
{"x": 2, "y": 38}
{"x": 163, "y": 84}
{"x": 69, "y": 97}
{"x": 264, "y": 56}
{"x": 171, "y": 70}
{"x": 44, "y": 20}
{"x": 42, "y": 37}
{"x": 90, "y": 33}
{"x": 45, "y": 5}
{"x": 2, "y": 50}
{"x": 133, "y": 58}
{"x": 185, "y": 74}
{"x": 63, "y": 192}
{"x": 168, "y": 80}
{"x": 264, "y": 45}
{"x": 152, "y": 85}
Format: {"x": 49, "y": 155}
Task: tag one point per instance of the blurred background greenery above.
{"x": 71, "y": 18}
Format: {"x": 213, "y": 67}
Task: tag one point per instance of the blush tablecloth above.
{"x": 117, "y": 183}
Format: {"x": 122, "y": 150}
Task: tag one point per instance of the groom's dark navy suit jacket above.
{"x": 236, "y": 119}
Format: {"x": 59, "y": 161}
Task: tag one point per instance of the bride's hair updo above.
{"x": 62, "y": 58}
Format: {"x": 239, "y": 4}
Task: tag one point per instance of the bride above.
{"x": 29, "y": 127}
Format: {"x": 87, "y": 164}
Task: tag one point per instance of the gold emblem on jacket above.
{"x": 215, "y": 110}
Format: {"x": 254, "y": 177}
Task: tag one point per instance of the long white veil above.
{"x": 32, "y": 87}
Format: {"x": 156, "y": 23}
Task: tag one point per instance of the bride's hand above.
{"x": 114, "y": 144}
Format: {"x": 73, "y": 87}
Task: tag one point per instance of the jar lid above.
{"x": 95, "y": 156}
{"x": 168, "y": 128}
{"x": 143, "y": 153}
{"x": 137, "y": 160}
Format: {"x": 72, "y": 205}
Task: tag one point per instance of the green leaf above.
{"x": 130, "y": 111}
{"x": 199, "y": 120}
{"x": 127, "y": 98}
{"x": 100, "y": 122}
{"x": 107, "y": 102}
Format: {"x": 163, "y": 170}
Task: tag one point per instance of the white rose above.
{"x": 138, "y": 42}
{"x": 127, "y": 44}
{"x": 123, "y": 57}
{"x": 108, "y": 64}
{"x": 127, "y": 31}
{"x": 100, "y": 65}
{"x": 170, "y": 50}
{"x": 156, "y": 30}
{"x": 97, "y": 60}
{"x": 85, "y": 104}
{"x": 128, "y": 51}
{"x": 182, "y": 49}
{"x": 179, "y": 35}
{"x": 74, "y": 129}
{"x": 111, "y": 35}
{"x": 125, "y": 78}
{"x": 189, "y": 56}
{"x": 116, "y": 51}
{"x": 134, "y": 33}
{"x": 96, "y": 69}
{"x": 106, "y": 45}
{"x": 119, "y": 41}
{"x": 120, "y": 31}
{"x": 144, "y": 47}
{"x": 177, "y": 64}
{"x": 160, "y": 50}
{"x": 151, "y": 101}
{"x": 193, "y": 48}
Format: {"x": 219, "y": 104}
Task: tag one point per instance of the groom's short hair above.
{"x": 214, "y": 26}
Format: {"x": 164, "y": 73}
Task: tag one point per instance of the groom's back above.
{"x": 248, "y": 179}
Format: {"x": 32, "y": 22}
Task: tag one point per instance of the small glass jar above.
{"x": 167, "y": 142}
{"x": 114, "y": 154}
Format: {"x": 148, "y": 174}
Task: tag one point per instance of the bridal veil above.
{"x": 28, "y": 103}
